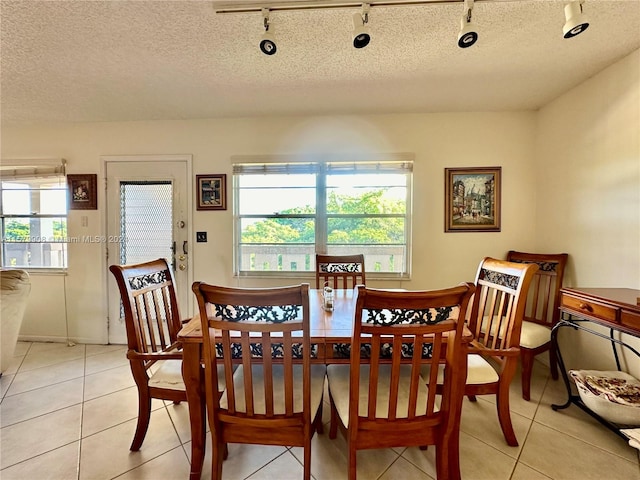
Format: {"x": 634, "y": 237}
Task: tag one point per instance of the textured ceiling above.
{"x": 76, "y": 61}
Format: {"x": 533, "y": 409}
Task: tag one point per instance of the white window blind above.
{"x": 286, "y": 211}
{"x": 33, "y": 214}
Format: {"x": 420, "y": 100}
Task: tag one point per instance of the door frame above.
{"x": 185, "y": 310}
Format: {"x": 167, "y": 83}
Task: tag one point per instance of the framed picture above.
{"x": 83, "y": 191}
{"x": 472, "y": 199}
{"x": 212, "y": 192}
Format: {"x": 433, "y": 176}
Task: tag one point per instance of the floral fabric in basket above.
{"x": 623, "y": 389}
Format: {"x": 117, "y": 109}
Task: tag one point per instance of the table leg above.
{"x": 193, "y": 376}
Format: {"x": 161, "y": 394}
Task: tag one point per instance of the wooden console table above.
{"x": 615, "y": 308}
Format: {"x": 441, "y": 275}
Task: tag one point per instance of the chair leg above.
{"x": 472, "y": 398}
{"x": 144, "y": 414}
{"x": 307, "y": 461}
{"x": 448, "y": 460}
{"x": 527, "y": 369}
{"x": 352, "y": 462}
{"x": 504, "y": 415}
{"x": 219, "y": 453}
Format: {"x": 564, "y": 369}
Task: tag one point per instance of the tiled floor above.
{"x": 69, "y": 413}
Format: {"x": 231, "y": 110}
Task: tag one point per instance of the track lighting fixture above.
{"x": 268, "y": 42}
{"x": 361, "y": 36}
{"x": 468, "y": 33}
{"x": 576, "y": 20}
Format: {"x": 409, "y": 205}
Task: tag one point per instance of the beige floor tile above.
{"x": 180, "y": 416}
{"x": 329, "y": 458}
{"x": 480, "y": 420}
{"x": 17, "y": 408}
{"x": 47, "y": 446}
{"x": 108, "y": 381}
{"x": 34, "y": 437}
{"x": 401, "y": 468}
{"x": 539, "y": 380}
{"x": 14, "y": 365}
{"x": 478, "y": 460}
{"x": 172, "y": 465}
{"x": 561, "y": 456}
{"x": 424, "y": 460}
{"x": 243, "y": 460}
{"x": 106, "y": 361}
{"x": 113, "y": 409}
{"x": 61, "y": 463}
{"x": 577, "y": 423}
{"x": 100, "y": 349}
{"x": 41, "y": 377}
{"x": 46, "y": 354}
{"x": 284, "y": 467}
{"x": 22, "y": 348}
{"x": 522, "y": 472}
{"x": 5, "y": 382}
{"x": 106, "y": 454}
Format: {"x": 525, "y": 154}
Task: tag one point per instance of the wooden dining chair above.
{"x": 541, "y": 312}
{"x": 496, "y": 321}
{"x": 384, "y": 402}
{"x": 152, "y": 321}
{"x": 340, "y": 271}
{"x": 269, "y": 399}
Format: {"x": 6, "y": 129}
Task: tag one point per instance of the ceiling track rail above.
{"x": 228, "y": 7}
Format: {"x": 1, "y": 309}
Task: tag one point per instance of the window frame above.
{"x": 322, "y": 167}
{"x": 26, "y": 171}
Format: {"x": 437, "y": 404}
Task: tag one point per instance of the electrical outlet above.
{"x": 201, "y": 237}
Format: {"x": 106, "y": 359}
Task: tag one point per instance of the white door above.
{"x": 148, "y": 217}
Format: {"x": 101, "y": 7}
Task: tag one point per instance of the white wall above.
{"x": 588, "y": 176}
{"x": 588, "y": 194}
{"x": 437, "y": 140}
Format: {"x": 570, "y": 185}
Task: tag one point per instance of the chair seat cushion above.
{"x": 338, "y": 377}
{"x": 167, "y": 374}
{"x": 534, "y": 335}
{"x": 317, "y": 388}
{"x": 479, "y": 371}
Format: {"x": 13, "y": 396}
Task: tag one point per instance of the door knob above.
{"x": 182, "y": 267}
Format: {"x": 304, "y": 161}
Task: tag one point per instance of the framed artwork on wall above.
{"x": 82, "y": 191}
{"x": 472, "y": 199}
{"x": 211, "y": 192}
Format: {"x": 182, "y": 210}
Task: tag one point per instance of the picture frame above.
{"x": 473, "y": 199}
{"x": 211, "y": 192}
{"x": 82, "y": 191}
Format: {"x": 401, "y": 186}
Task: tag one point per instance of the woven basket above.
{"x": 620, "y": 404}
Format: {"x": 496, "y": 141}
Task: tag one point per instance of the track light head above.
{"x": 268, "y": 42}
{"x": 468, "y": 34}
{"x": 576, "y": 20}
{"x": 361, "y": 36}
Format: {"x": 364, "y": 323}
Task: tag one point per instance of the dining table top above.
{"x": 336, "y": 324}
{"x": 326, "y": 326}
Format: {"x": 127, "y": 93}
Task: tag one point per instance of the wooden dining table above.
{"x": 330, "y": 332}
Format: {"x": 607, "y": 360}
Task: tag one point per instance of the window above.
{"x": 286, "y": 212}
{"x": 33, "y": 216}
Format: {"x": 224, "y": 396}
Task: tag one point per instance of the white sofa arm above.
{"x": 15, "y": 288}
